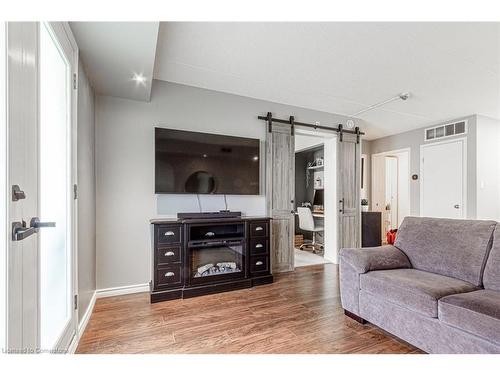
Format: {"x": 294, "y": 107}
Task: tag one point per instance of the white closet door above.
{"x": 443, "y": 179}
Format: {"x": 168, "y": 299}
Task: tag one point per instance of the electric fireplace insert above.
{"x": 216, "y": 252}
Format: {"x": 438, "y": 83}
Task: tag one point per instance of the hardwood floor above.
{"x": 299, "y": 313}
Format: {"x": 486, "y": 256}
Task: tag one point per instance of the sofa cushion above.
{"x": 475, "y": 312}
{"x": 455, "y": 248}
{"x": 491, "y": 279}
{"x": 414, "y": 289}
{"x": 374, "y": 258}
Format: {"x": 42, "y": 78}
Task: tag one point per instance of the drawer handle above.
{"x": 169, "y": 254}
{"x": 169, "y": 233}
{"x": 259, "y": 228}
{"x": 169, "y": 274}
{"x": 259, "y": 263}
{"x": 258, "y": 246}
{"x": 209, "y": 234}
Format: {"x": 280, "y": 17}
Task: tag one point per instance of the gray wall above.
{"x": 125, "y": 167}
{"x": 413, "y": 140}
{"x": 86, "y": 193}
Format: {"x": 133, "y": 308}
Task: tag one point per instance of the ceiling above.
{"x": 113, "y": 52}
{"x": 451, "y": 69}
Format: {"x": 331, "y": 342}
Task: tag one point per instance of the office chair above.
{"x": 306, "y": 222}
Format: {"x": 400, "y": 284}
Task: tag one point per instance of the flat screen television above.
{"x": 200, "y": 163}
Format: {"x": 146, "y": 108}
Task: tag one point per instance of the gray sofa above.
{"x": 437, "y": 288}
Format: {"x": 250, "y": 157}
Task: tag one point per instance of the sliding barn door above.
{"x": 280, "y": 192}
{"x": 348, "y": 190}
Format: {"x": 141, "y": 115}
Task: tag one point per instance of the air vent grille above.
{"x": 447, "y": 130}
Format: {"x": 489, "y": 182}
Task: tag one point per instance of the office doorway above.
{"x": 315, "y": 240}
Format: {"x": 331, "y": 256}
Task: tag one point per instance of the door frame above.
{"x": 328, "y": 140}
{"x": 406, "y": 150}
{"x": 462, "y": 140}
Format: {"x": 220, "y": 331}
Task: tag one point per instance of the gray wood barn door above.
{"x": 280, "y": 192}
{"x": 348, "y": 190}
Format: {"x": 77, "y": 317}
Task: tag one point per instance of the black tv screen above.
{"x": 201, "y": 163}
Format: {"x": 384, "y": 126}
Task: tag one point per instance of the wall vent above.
{"x": 447, "y": 130}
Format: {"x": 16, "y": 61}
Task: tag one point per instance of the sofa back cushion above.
{"x": 491, "y": 279}
{"x": 449, "y": 247}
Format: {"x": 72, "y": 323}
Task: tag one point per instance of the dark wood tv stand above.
{"x": 204, "y": 256}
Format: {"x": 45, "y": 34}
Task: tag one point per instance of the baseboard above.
{"x": 82, "y": 325}
{"x": 118, "y": 291}
{"x": 86, "y": 317}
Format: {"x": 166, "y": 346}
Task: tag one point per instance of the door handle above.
{"x": 20, "y": 231}
{"x": 457, "y": 206}
{"x": 341, "y": 209}
{"x": 37, "y": 224}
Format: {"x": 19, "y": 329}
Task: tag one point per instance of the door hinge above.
{"x": 75, "y": 191}
{"x": 76, "y": 302}
{"x": 74, "y": 81}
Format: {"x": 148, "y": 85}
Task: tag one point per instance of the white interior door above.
{"x": 3, "y": 185}
{"x": 443, "y": 179}
{"x": 42, "y": 64}
{"x": 378, "y": 183}
{"x": 391, "y": 191}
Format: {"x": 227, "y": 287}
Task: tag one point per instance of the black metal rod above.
{"x": 305, "y": 124}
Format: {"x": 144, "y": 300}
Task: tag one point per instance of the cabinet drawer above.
{"x": 259, "y": 264}
{"x": 259, "y": 246}
{"x": 169, "y": 276}
{"x": 259, "y": 229}
{"x": 168, "y": 234}
{"x": 167, "y": 255}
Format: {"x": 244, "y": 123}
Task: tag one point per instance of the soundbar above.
{"x": 208, "y": 215}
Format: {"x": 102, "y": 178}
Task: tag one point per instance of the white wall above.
{"x": 125, "y": 167}
{"x": 488, "y": 168}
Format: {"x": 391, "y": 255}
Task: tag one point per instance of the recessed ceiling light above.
{"x": 255, "y": 158}
{"x": 139, "y": 78}
{"x": 349, "y": 124}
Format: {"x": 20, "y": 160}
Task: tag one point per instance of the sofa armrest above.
{"x": 375, "y": 258}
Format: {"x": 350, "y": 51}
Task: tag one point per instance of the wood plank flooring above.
{"x": 299, "y": 313}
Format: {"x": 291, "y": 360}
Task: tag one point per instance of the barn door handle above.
{"x": 342, "y": 206}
